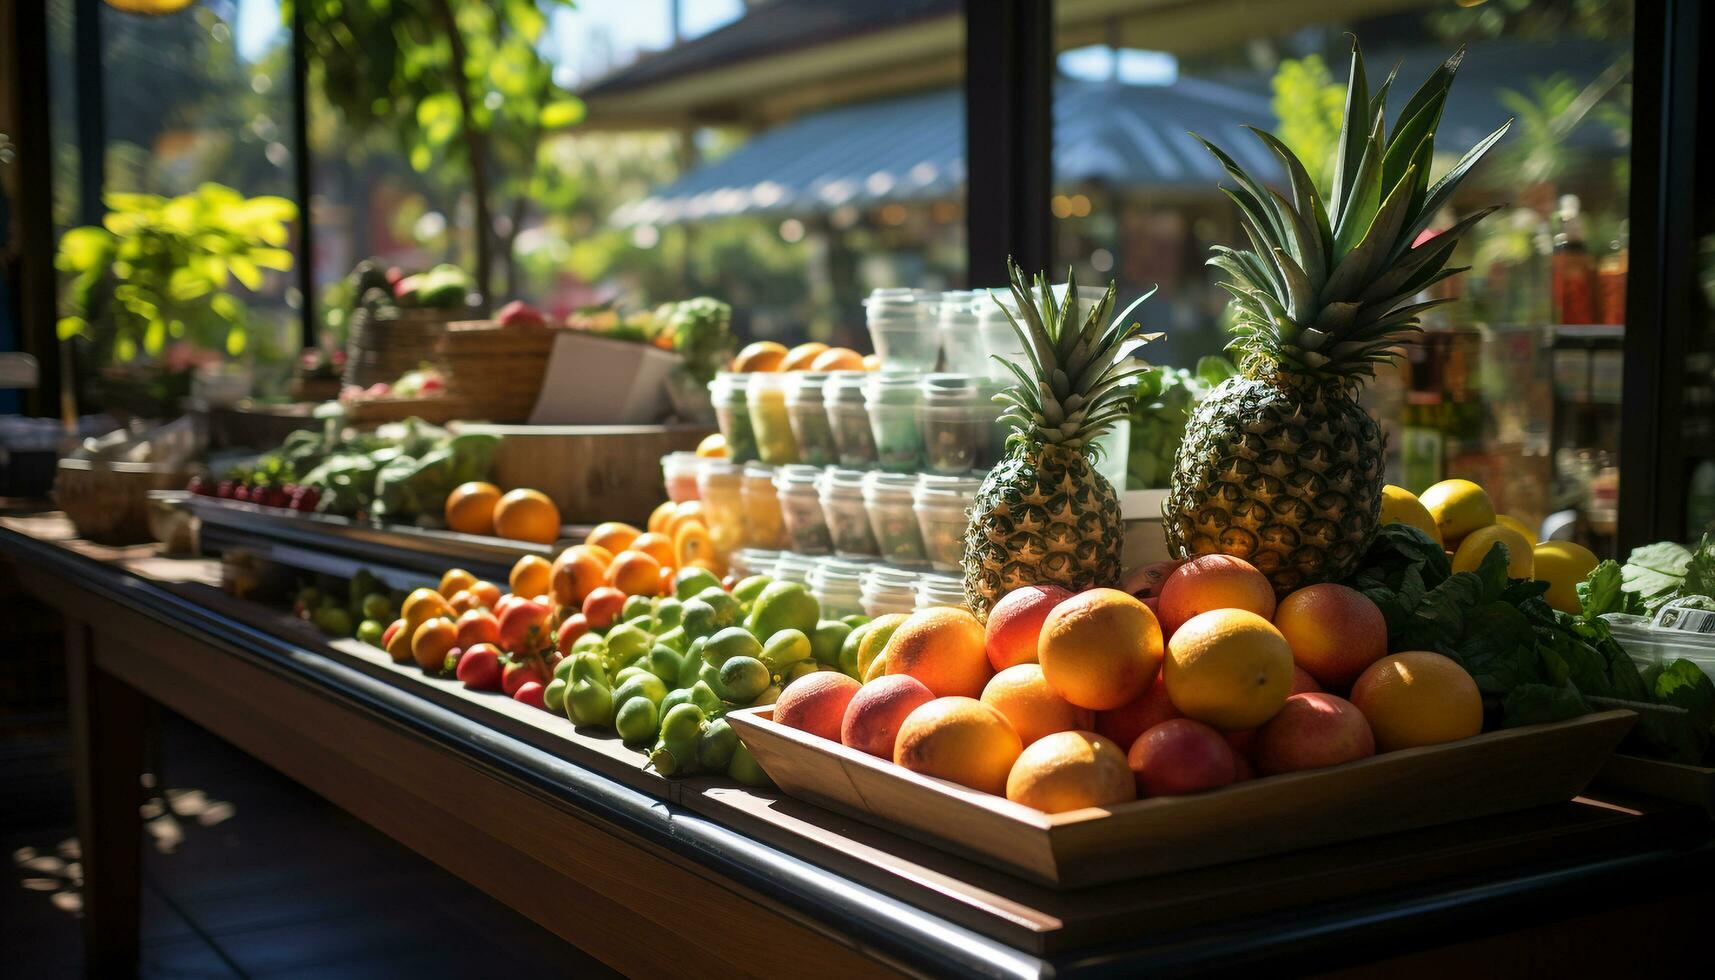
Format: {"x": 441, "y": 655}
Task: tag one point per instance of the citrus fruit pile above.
{"x": 1071, "y": 700}
{"x": 1459, "y": 516}
{"x": 519, "y": 515}
{"x": 769, "y": 355}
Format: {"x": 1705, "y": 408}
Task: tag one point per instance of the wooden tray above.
{"x": 1674, "y": 781}
{"x": 1507, "y": 770}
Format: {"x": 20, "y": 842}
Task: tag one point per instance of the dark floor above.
{"x": 247, "y": 874}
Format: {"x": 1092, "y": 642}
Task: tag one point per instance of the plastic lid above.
{"x": 806, "y": 386}
{"x": 884, "y": 579}
{"x": 841, "y": 573}
{"x": 941, "y": 590}
{"x": 716, "y": 466}
{"x": 756, "y": 561}
{"x": 765, "y": 381}
{"x": 932, "y": 489}
{"x": 942, "y": 389}
{"x": 681, "y": 459}
{"x": 757, "y": 470}
{"x": 838, "y": 478}
{"x": 844, "y": 386}
{"x": 797, "y": 475}
{"x": 729, "y": 383}
{"x": 892, "y": 388}
{"x": 879, "y": 485}
{"x": 793, "y": 568}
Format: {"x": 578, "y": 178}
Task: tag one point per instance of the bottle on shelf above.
{"x": 1611, "y": 279}
{"x": 1572, "y": 272}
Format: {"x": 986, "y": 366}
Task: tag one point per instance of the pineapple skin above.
{"x": 1284, "y": 473}
{"x": 1041, "y": 517}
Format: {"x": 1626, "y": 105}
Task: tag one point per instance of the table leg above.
{"x": 107, "y": 720}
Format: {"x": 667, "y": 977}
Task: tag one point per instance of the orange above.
{"x": 430, "y": 642}
{"x": 530, "y": 576}
{"x": 1213, "y": 582}
{"x": 693, "y": 546}
{"x": 659, "y": 517}
{"x": 685, "y": 513}
{"x": 486, "y": 594}
{"x": 943, "y": 647}
{"x": 1022, "y": 694}
{"x": 527, "y": 515}
{"x": 872, "y": 362}
{"x": 802, "y": 356}
{"x": 399, "y": 644}
{"x": 1070, "y": 771}
{"x": 838, "y": 359}
{"x": 634, "y": 573}
{"x": 762, "y": 355}
{"x": 713, "y": 446}
{"x": 421, "y": 606}
{"x": 959, "y": 739}
{"x": 664, "y": 585}
{"x": 1099, "y": 649}
{"x": 1334, "y": 631}
{"x": 576, "y": 573}
{"x": 454, "y": 581}
{"x": 656, "y": 546}
{"x": 470, "y": 508}
{"x": 1418, "y": 698}
{"x": 615, "y": 536}
{"x": 1228, "y": 668}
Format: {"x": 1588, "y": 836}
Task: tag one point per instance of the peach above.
{"x": 1015, "y": 623}
{"x": 961, "y": 740}
{"x": 1213, "y": 582}
{"x": 875, "y": 712}
{"x": 1022, "y": 694}
{"x": 602, "y": 606}
{"x": 816, "y": 703}
{"x": 578, "y": 571}
{"x": 1126, "y": 722}
{"x": 1302, "y": 682}
{"x": 1181, "y": 756}
{"x": 943, "y": 647}
{"x": 524, "y": 627}
{"x": 1334, "y": 630}
{"x": 1312, "y": 731}
{"x": 478, "y": 626}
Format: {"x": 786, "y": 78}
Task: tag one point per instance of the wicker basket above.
{"x": 439, "y": 410}
{"x": 380, "y": 349}
{"x": 495, "y": 371}
{"x": 109, "y": 501}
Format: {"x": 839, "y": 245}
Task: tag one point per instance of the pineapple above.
{"x": 1280, "y": 465}
{"x": 1043, "y": 515}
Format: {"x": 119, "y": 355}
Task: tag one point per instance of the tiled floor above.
{"x": 249, "y": 875}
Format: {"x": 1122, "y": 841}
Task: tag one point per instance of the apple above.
{"x": 524, "y": 627}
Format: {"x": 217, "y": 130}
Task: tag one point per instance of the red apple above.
{"x": 478, "y": 626}
{"x": 479, "y": 667}
{"x": 524, "y": 627}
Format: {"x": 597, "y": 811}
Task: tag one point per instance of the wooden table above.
{"x": 656, "y": 876}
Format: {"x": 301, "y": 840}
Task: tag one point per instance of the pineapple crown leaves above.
{"x": 1322, "y": 292}
{"x": 1078, "y": 378}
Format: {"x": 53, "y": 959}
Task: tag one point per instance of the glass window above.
{"x": 1518, "y": 385}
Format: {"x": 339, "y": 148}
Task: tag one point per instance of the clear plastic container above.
{"x": 961, "y": 342}
{"x": 848, "y": 521}
{"x": 837, "y": 585}
{"x": 902, "y": 328}
{"x": 891, "y": 398}
{"x": 1674, "y": 633}
{"x": 848, "y": 419}
{"x": 809, "y": 417}
{"x": 679, "y": 473}
{"x": 957, "y": 418}
{"x": 942, "y": 505}
{"x": 801, "y": 509}
{"x": 941, "y": 590}
{"x": 732, "y": 414}
{"x": 764, "y": 527}
{"x": 791, "y": 567}
{"x": 889, "y": 590}
{"x": 765, "y": 395}
{"x": 752, "y": 561}
{"x": 720, "y": 486}
{"x": 887, "y": 498}
{"x": 997, "y": 336}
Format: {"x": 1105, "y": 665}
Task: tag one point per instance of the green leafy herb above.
{"x": 1603, "y": 592}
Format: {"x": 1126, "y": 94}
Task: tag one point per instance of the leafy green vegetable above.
{"x": 1603, "y": 592}
{"x": 1536, "y": 704}
{"x": 1656, "y": 571}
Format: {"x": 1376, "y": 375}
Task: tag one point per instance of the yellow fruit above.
{"x": 634, "y": 573}
{"x": 1022, "y": 694}
{"x": 531, "y": 576}
{"x": 872, "y": 362}
{"x": 838, "y": 359}
{"x": 454, "y": 581}
{"x": 1524, "y": 530}
{"x": 763, "y": 355}
{"x": 527, "y": 515}
{"x": 1229, "y": 668}
{"x": 802, "y": 356}
{"x": 1418, "y": 698}
{"x": 470, "y": 508}
{"x": 959, "y": 739}
{"x": 713, "y": 446}
{"x": 693, "y": 546}
{"x": 1401, "y": 506}
{"x": 1100, "y": 648}
{"x": 1562, "y": 565}
{"x": 1070, "y": 771}
{"x": 657, "y": 546}
{"x": 943, "y": 647}
{"x": 1470, "y": 552}
{"x": 421, "y": 606}
{"x": 615, "y": 536}
{"x": 1458, "y": 507}
{"x": 659, "y": 517}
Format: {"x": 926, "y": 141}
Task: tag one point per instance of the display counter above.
{"x": 657, "y": 876}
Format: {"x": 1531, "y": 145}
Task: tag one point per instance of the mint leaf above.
{"x": 1498, "y": 647}
{"x": 1603, "y": 591}
{"x": 1539, "y": 704}
{"x": 1700, "y": 572}
{"x": 1493, "y": 571}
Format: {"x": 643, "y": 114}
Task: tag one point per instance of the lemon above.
{"x": 1401, "y": 506}
{"x": 1476, "y": 545}
{"x": 1563, "y": 565}
{"x": 1228, "y": 668}
{"x": 713, "y": 446}
{"x": 1458, "y": 508}
{"x": 1521, "y": 527}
